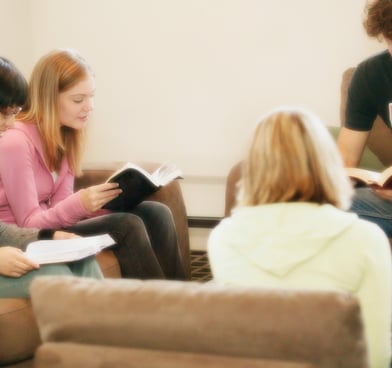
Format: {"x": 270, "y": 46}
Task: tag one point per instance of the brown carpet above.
{"x": 200, "y": 267}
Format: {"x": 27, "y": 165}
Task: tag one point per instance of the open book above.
{"x": 137, "y": 184}
{"x": 381, "y": 179}
{"x": 67, "y": 250}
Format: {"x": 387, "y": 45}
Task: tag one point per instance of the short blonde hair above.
{"x": 56, "y": 72}
{"x": 293, "y": 158}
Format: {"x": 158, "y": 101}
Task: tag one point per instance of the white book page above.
{"x": 66, "y": 250}
{"x": 129, "y": 165}
{"x": 387, "y": 173}
{"x": 366, "y": 175}
{"x": 369, "y": 176}
{"x": 166, "y": 173}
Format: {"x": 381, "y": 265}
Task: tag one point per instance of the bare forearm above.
{"x": 351, "y": 144}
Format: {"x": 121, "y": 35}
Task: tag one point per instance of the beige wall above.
{"x": 186, "y": 80}
{"x": 15, "y": 29}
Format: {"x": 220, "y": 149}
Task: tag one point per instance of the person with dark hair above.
{"x": 369, "y": 96}
{"x": 13, "y": 87}
{"x": 16, "y": 270}
{"x": 13, "y": 91}
{"x": 40, "y": 157}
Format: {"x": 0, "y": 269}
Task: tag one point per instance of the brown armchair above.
{"x": 19, "y": 335}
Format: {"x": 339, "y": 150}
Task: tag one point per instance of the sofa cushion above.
{"x": 70, "y": 355}
{"x": 321, "y": 328}
{"x": 16, "y": 316}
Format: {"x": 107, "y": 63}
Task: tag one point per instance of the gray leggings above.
{"x": 146, "y": 240}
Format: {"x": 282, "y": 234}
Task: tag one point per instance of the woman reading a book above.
{"x": 16, "y": 270}
{"x": 40, "y": 156}
{"x": 290, "y": 228}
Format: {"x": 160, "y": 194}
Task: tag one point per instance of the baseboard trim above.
{"x": 203, "y": 222}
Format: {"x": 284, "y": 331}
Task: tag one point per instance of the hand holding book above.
{"x": 137, "y": 184}
{"x": 371, "y": 178}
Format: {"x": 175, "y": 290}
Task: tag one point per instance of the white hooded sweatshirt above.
{"x": 310, "y": 246}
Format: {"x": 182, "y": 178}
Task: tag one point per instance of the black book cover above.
{"x": 135, "y": 188}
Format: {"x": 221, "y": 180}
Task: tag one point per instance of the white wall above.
{"x": 186, "y": 80}
{"x": 15, "y": 29}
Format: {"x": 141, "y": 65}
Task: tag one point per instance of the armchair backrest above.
{"x": 232, "y": 180}
{"x": 206, "y": 322}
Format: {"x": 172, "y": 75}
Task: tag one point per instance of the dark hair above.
{"x": 13, "y": 85}
{"x": 378, "y": 18}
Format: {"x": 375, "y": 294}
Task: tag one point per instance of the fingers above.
{"x": 110, "y": 194}
{"x": 106, "y": 190}
{"x": 106, "y": 186}
{"x": 14, "y": 263}
{"x": 59, "y": 235}
{"x": 19, "y": 268}
{"x": 106, "y": 195}
{"x": 95, "y": 197}
{"x": 106, "y": 199}
{"x": 25, "y": 263}
{"x": 384, "y": 193}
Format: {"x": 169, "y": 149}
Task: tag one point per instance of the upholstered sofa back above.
{"x": 150, "y": 322}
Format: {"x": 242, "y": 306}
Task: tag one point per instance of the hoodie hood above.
{"x": 279, "y": 237}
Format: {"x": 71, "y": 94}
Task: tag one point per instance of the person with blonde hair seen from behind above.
{"x": 16, "y": 270}
{"x": 40, "y": 157}
{"x": 291, "y": 230}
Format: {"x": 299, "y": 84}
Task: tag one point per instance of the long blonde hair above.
{"x": 56, "y": 72}
{"x": 293, "y": 158}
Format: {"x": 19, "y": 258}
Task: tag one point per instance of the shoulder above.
{"x": 242, "y": 222}
{"x": 369, "y": 237}
{"x": 21, "y": 131}
{"x": 21, "y": 135}
{"x": 374, "y": 66}
{"x": 367, "y": 227}
{"x": 14, "y": 139}
{"x": 377, "y": 60}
